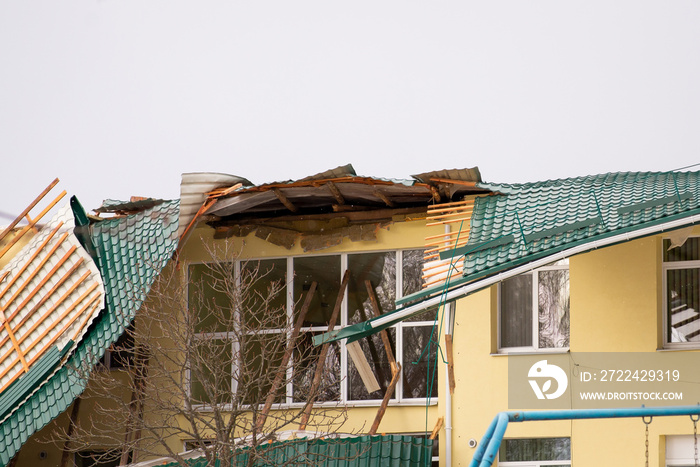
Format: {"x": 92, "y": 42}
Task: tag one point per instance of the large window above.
{"x": 386, "y": 275}
{"x": 534, "y": 309}
{"x": 681, "y": 270}
{"x": 535, "y": 452}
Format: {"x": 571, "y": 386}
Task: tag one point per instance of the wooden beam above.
{"x": 362, "y": 366}
{"x": 378, "y": 193}
{"x": 335, "y": 191}
{"x": 281, "y": 371}
{"x": 450, "y": 363}
{"x": 385, "y": 402}
{"x": 383, "y": 333}
{"x": 320, "y": 363}
{"x": 284, "y": 200}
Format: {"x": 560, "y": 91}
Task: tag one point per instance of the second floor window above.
{"x": 534, "y": 309}
{"x": 681, "y": 268}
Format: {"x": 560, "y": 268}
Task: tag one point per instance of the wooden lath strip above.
{"x": 95, "y": 301}
{"x": 452, "y": 203}
{"x": 442, "y": 268}
{"x": 41, "y": 283}
{"x": 444, "y": 236}
{"x": 53, "y": 308}
{"x": 456, "y": 221}
{"x": 29, "y": 208}
{"x": 92, "y": 303}
{"x": 447, "y": 210}
{"x": 452, "y": 215}
{"x": 15, "y": 346}
{"x": 10, "y": 334}
{"x": 442, "y": 246}
{"x": 31, "y": 225}
{"x": 33, "y": 257}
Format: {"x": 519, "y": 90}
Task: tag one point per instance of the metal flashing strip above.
{"x": 655, "y": 202}
{"x": 564, "y": 228}
{"x": 468, "y": 285}
{"x": 477, "y": 247}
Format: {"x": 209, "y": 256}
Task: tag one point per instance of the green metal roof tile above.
{"x": 122, "y": 260}
{"x": 546, "y": 216}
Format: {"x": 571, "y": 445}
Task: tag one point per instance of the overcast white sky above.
{"x": 119, "y": 97}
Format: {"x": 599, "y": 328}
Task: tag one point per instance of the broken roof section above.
{"x": 338, "y": 200}
{"x": 520, "y": 227}
{"x": 123, "y": 254}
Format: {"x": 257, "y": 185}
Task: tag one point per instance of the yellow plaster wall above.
{"x": 616, "y": 306}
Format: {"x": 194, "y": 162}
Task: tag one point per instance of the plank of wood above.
{"x": 385, "y": 401}
{"x": 291, "y": 342}
{"x": 450, "y": 363}
{"x": 320, "y": 363}
{"x": 284, "y": 200}
{"x": 383, "y": 333}
{"x": 362, "y": 366}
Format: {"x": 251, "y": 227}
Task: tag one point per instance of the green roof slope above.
{"x": 130, "y": 251}
{"x": 524, "y": 222}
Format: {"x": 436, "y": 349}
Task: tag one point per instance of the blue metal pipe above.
{"x": 492, "y": 448}
{"x": 487, "y": 450}
{"x": 485, "y": 440}
{"x": 581, "y": 414}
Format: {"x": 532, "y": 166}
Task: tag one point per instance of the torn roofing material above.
{"x": 521, "y": 227}
{"x": 130, "y": 252}
{"x": 341, "y": 189}
{"x": 49, "y": 294}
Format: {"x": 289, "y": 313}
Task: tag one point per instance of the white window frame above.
{"x": 665, "y": 267}
{"x": 534, "y": 463}
{"x": 563, "y": 265}
{"x": 342, "y": 322}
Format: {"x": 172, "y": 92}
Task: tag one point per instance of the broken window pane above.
{"x": 305, "y": 361}
{"x": 326, "y": 271}
{"x": 419, "y": 356}
{"x": 380, "y": 270}
{"x": 375, "y": 352}
{"x": 263, "y": 285}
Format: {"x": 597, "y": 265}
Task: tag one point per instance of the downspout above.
{"x": 448, "y": 394}
{"x": 448, "y": 398}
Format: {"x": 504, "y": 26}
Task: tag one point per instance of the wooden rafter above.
{"x": 284, "y": 200}
{"x": 335, "y": 191}
{"x": 379, "y": 194}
